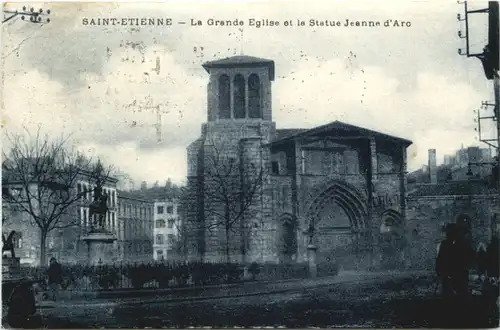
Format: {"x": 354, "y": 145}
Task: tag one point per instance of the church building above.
{"x": 258, "y": 193}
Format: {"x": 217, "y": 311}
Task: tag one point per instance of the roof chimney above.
{"x": 432, "y": 166}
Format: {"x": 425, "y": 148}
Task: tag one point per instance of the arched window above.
{"x": 254, "y": 106}
{"x": 224, "y": 97}
{"x": 159, "y": 239}
{"x": 239, "y": 97}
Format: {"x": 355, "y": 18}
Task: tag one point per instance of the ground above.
{"x": 381, "y": 302}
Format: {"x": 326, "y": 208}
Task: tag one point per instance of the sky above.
{"x": 94, "y": 82}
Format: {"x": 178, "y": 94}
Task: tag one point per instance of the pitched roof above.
{"x": 339, "y": 129}
{"x": 152, "y": 194}
{"x": 241, "y": 61}
{"x": 454, "y": 188}
{"x": 288, "y": 132}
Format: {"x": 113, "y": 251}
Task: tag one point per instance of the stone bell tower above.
{"x": 239, "y": 124}
{"x": 240, "y": 89}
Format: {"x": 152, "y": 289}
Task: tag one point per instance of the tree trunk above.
{"x": 227, "y": 221}
{"x": 43, "y": 244}
{"x": 228, "y": 259}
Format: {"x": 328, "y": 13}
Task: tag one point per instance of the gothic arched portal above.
{"x": 338, "y": 224}
{"x": 392, "y": 238}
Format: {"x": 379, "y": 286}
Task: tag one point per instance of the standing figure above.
{"x": 453, "y": 262}
{"x": 54, "y": 274}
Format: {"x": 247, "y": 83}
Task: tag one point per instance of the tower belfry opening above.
{"x": 240, "y": 88}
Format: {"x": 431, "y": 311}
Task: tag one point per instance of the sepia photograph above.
{"x": 230, "y": 164}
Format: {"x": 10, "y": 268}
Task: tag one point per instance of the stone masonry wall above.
{"x": 427, "y": 215}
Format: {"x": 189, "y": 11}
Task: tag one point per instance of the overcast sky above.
{"x": 407, "y": 81}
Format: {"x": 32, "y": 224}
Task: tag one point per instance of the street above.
{"x": 373, "y": 303}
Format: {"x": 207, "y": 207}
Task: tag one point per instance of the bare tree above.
{"x": 40, "y": 178}
{"x": 232, "y": 185}
{"x": 179, "y": 246}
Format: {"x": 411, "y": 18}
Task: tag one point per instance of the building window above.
{"x": 171, "y": 239}
{"x": 159, "y": 239}
{"x": 159, "y": 254}
{"x": 254, "y": 106}
{"x": 18, "y": 240}
{"x": 170, "y": 209}
{"x": 160, "y": 209}
{"x": 275, "y": 168}
{"x": 239, "y": 97}
{"x": 160, "y": 223}
{"x": 171, "y": 223}
{"x": 85, "y": 217}
{"x": 224, "y": 97}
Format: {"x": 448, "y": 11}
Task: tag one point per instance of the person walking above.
{"x": 453, "y": 262}
{"x": 54, "y": 277}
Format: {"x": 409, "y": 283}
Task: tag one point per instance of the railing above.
{"x": 168, "y": 274}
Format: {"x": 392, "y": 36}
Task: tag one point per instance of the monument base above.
{"x": 311, "y": 259}
{"x": 98, "y": 242}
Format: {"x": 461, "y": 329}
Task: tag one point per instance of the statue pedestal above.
{"x": 311, "y": 259}
{"x": 98, "y": 242}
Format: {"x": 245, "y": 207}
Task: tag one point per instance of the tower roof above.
{"x": 241, "y": 61}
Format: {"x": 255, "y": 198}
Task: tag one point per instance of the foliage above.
{"x": 231, "y": 188}
{"x": 39, "y": 178}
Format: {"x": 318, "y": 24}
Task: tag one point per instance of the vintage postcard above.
{"x": 250, "y": 164}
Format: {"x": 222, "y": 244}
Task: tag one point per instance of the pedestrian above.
{"x": 54, "y": 277}
{"x": 453, "y": 262}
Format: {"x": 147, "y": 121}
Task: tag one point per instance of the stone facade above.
{"x": 430, "y": 207}
{"x": 166, "y": 229}
{"x": 337, "y": 186}
{"x": 134, "y": 228}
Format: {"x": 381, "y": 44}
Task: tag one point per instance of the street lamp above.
{"x": 34, "y": 16}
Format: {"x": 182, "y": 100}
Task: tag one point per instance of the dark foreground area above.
{"x": 408, "y": 302}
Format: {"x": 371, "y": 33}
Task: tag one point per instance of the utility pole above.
{"x": 491, "y": 65}
{"x": 35, "y": 16}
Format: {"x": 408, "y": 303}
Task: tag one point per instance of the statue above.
{"x": 99, "y": 206}
{"x": 310, "y": 232}
{"x": 8, "y": 244}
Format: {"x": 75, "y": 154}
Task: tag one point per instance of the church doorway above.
{"x": 392, "y": 239}
{"x": 338, "y": 226}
